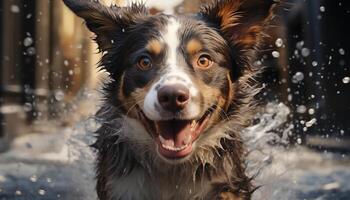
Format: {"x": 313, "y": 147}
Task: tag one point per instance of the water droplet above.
{"x": 33, "y": 178}
{"x": 342, "y": 132}
{"x": 305, "y": 52}
{"x": 310, "y": 123}
{"x": 27, "y": 41}
{"x": 258, "y": 63}
{"x": 59, "y": 95}
{"x": 311, "y": 111}
{"x": 301, "y": 109}
{"x": 322, "y": 8}
{"x": 300, "y": 44}
{"x": 31, "y": 51}
{"x": 279, "y": 42}
{"x": 341, "y": 51}
{"x": 299, "y": 141}
{"x": 275, "y": 54}
{"x": 27, "y": 107}
{"x": 346, "y": 80}
{"x": 18, "y": 193}
{"x": 299, "y": 76}
{"x": 41, "y": 192}
{"x": 15, "y": 9}
{"x": 66, "y": 62}
{"x": 71, "y": 72}
{"x": 314, "y": 63}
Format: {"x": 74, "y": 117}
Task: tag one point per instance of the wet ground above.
{"x": 59, "y": 165}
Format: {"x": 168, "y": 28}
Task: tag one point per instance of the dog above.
{"x": 181, "y": 90}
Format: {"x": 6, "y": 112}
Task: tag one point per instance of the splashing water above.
{"x": 272, "y": 127}
{"x": 286, "y": 173}
{"x": 61, "y": 165}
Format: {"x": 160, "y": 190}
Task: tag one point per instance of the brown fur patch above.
{"x": 243, "y": 21}
{"x": 228, "y": 196}
{"x": 129, "y": 102}
{"x": 121, "y": 95}
{"x": 102, "y": 25}
{"x": 193, "y": 46}
{"x": 228, "y": 15}
{"x": 136, "y": 98}
{"x": 213, "y": 95}
{"x": 230, "y": 92}
{"x": 154, "y": 46}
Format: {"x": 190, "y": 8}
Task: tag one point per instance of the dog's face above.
{"x": 176, "y": 76}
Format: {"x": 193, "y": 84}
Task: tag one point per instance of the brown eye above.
{"x": 144, "y": 63}
{"x": 204, "y": 61}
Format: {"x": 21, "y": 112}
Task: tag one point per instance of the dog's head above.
{"x": 176, "y": 77}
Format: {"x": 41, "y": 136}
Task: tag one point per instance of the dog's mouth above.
{"x": 175, "y": 138}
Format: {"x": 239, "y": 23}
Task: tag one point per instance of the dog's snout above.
{"x": 173, "y": 97}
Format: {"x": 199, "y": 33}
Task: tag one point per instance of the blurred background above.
{"x": 49, "y": 84}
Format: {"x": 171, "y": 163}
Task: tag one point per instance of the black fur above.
{"x": 231, "y": 31}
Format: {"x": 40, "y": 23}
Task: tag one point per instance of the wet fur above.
{"x": 131, "y": 169}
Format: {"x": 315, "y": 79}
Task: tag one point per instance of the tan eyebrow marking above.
{"x": 154, "y": 46}
{"x": 193, "y": 46}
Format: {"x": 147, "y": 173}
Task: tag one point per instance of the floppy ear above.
{"x": 108, "y": 23}
{"x": 240, "y": 21}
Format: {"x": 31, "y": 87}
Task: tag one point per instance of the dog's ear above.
{"x": 107, "y": 23}
{"x": 240, "y": 21}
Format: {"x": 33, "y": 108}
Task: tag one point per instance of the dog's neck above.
{"x": 190, "y": 180}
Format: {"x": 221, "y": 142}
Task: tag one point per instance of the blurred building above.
{"x": 47, "y": 57}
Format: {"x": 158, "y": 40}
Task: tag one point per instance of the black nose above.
{"x": 173, "y": 97}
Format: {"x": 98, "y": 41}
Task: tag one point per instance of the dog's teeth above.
{"x": 165, "y": 142}
{"x": 162, "y": 140}
{"x": 171, "y": 148}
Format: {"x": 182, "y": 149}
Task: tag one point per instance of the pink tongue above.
{"x": 174, "y": 132}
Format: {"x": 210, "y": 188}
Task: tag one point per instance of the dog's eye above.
{"x": 144, "y": 63}
{"x": 204, "y": 61}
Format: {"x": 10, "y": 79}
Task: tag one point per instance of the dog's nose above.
{"x": 173, "y": 97}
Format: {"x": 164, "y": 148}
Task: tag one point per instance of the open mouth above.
{"x": 175, "y": 137}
